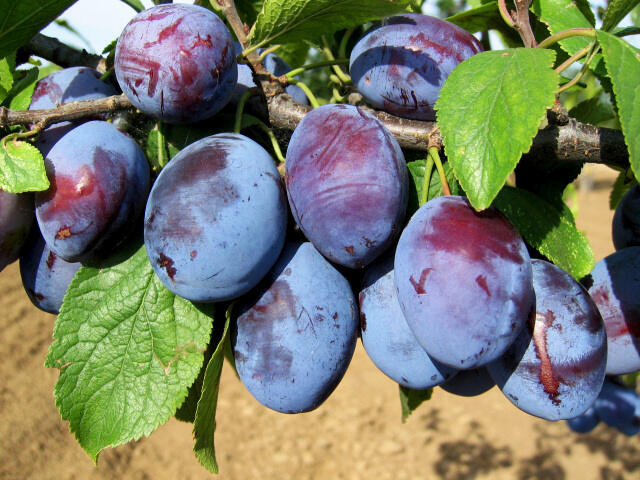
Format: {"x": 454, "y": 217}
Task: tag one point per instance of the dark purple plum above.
{"x": 275, "y": 65}
{"x": 464, "y": 281}
{"x": 16, "y": 219}
{"x": 625, "y": 228}
{"x": 176, "y": 62}
{"x": 99, "y": 184}
{"x": 45, "y": 276}
{"x": 619, "y": 407}
{"x": 347, "y": 183}
{"x": 586, "y": 422}
{"x": 469, "y": 383}
{"x": 216, "y": 218}
{"x": 401, "y": 66}
{"x": 294, "y": 336}
{"x": 72, "y": 84}
{"x": 386, "y": 337}
{"x": 614, "y": 284}
{"x": 556, "y": 367}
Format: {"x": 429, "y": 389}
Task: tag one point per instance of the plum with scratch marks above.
{"x": 176, "y": 63}
{"x": 293, "y": 337}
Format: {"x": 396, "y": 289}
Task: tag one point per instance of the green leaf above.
{"x": 248, "y": 10}
{"x": 127, "y": 350}
{"x": 623, "y": 64}
{"x": 489, "y": 110}
{"x": 616, "y": 11}
{"x": 23, "y": 89}
{"x": 411, "y": 399}
{"x": 7, "y": 66}
{"x": 593, "y": 110}
{"x": 135, "y": 4}
{"x": 548, "y": 229}
{"x": 21, "y": 167}
{"x": 22, "y": 19}
{"x": 289, "y": 21}
{"x": 204, "y": 425}
{"x": 561, "y": 15}
{"x": 622, "y": 185}
{"x": 294, "y": 54}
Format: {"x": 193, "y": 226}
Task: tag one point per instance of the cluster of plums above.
{"x": 451, "y": 298}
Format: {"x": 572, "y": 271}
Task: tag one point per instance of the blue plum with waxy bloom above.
{"x": 347, "y": 183}
{"x": 464, "y": 281}
{"x": 556, "y": 367}
{"x": 16, "y": 219}
{"x": 294, "y": 336}
{"x": 176, "y": 63}
{"x": 216, "y": 218}
{"x": 386, "y": 337}
{"x": 625, "y": 227}
{"x": 99, "y": 184}
{"x": 400, "y": 66}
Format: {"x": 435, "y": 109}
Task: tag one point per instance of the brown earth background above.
{"x": 355, "y": 434}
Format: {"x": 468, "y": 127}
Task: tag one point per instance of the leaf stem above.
{"x": 237, "y": 126}
{"x": 433, "y": 153}
{"x": 162, "y": 160}
{"x": 274, "y": 142}
{"x": 574, "y": 58}
{"x": 344, "y": 78}
{"x": 504, "y": 12}
{"x": 571, "y": 32}
{"x": 312, "y": 98}
{"x": 426, "y": 181}
{"x": 594, "y": 49}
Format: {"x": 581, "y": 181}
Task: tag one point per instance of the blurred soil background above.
{"x": 355, "y": 434}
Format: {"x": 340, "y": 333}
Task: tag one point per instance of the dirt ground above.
{"x": 356, "y": 434}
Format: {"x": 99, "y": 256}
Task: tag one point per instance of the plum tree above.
{"x": 176, "y": 63}
{"x": 556, "y": 367}
{"x": 347, "y": 183}
{"x": 99, "y": 184}
{"x": 464, "y": 281}
{"x": 401, "y": 65}
{"x": 216, "y": 218}
{"x": 294, "y": 337}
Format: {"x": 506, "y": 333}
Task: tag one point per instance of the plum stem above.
{"x": 574, "y": 58}
{"x": 274, "y": 142}
{"x": 571, "y": 32}
{"x": 239, "y": 109}
{"x": 435, "y": 155}
{"x": 592, "y": 52}
{"x": 344, "y": 78}
{"x": 309, "y": 66}
{"x": 162, "y": 158}
{"x": 312, "y": 98}
{"x": 426, "y": 181}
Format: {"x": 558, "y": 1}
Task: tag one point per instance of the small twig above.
{"x": 522, "y": 23}
{"x": 572, "y": 32}
{"x": 61, "y": 54}
{"x": 504, "y": 12}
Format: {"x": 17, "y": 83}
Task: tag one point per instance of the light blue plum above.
{"x": 386, "y": 337}
{"x": 619, "y": 407}
{"x": 585, "y": 422}
{"x": 625, "y": 227}
{"x": 556, "y": 367}
{"x": 294, "y": 336}
{"x": 216, "y": 218}
{"x": 16, "y": 220}
{"x": 99, "y": 184}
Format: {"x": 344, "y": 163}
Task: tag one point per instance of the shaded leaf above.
{"x": 21, "y": 168}
{"x": 411, "y": 399}
{"x": 616, "y": 11}
{"x": 561, "y": 15}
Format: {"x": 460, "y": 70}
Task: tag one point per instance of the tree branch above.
{"x": 522, "y": 24}
{"x": 57, "y": 52}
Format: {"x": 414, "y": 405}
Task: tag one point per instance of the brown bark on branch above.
{"x": 57, "y": 52}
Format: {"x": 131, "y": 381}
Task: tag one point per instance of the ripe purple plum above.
{"x": 16, "y": 219}
{"x": 45, "y": 276}
{"x": 400, "y": 66}
{"x": 347, "y": 183}
{"x": 294, "y": 336}
{"x": 586, "y": 422}
{"x": 464, "y": 281}
{"x": 72, "y": 84}
{"x": 216, "y": 218}
{"x": 556, "y": 367}
{"x": 176, "y": 63}
{"x": 469, "y": 383}
{"x": 614, "y": 285}
{"x": 619, "y": 407}
{"x": 386, "y": 337}
{"x": 625, "y": 228}
{"x": 99, "y": 184}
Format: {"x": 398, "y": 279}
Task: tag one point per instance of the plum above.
{"x": 386, "y": 337}
{"x": 275, "y": 65}
{"x": 16, "y": 219}
{"x": 176, "y": 63}
{"x": 45, "y": 276}
{"x": 469, "y": 383}
{"x": 556, "y": 367}
{"x": 464, "y": 281}
{"x": 614, "y": 285}
{"x": 347, "y": 183}
{"x": 72, "y": 84}
{"x": 619, "y": 407}
{"x": 99, "y": 184}
{"x": 400, "y": 66}
{"x": 625, "y": 228}
{"x": 216, "y": 218}
{"x": 586, "y": 422}
{"x": 294, "y": 336}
